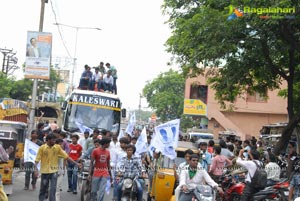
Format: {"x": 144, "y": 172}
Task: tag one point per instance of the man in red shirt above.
{"x": 99, "y": 168}
{"x": 75, "y": 153}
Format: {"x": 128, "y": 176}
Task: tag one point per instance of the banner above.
{"x": 30, "y": 151}
{"x": 166, "y": 138}
{"x": 121, "y": 134}
{"x": 194, "y": 107}
{"x": 38, "y": 55}
{"x": 141, "y": 143}
{"x": 131, "y": 124}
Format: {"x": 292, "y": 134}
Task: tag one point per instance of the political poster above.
{"x": 166, "y": 138}
{"x": 131, "y": 124}
{"x": 141, "y": 143}
{"x": 30, "y": 151}
{"x": 38, "y": 55}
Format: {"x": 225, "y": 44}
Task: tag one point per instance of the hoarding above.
{"x": 38, "y": 55}
{"x": 194, "y": 107}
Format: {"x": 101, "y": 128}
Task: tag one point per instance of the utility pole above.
{"x": 35, "y": 81}
{"x": 140, "y": 108}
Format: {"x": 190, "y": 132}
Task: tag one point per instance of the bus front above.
{"x": 89, "y": 110}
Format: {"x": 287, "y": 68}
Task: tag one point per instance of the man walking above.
{"x": 48, "y": 155}
{"x": 99, "y": 168}
{"x": 29, "y": 166}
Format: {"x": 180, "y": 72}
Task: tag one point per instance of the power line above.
{"x": 59, "y": 31}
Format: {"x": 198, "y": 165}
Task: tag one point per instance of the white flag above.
{"x": 121, "y": 134}
{"x": 30, "y": 151}
{"x": 131, "y": 124}
{"x": 141, "y": 143}
{"x": 166, "y": 138}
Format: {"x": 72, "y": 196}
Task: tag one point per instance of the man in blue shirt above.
{"x": 86, "y": 78}
{"x": 205, "y": 156}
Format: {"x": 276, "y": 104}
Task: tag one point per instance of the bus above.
{"x": 88, "y": 110}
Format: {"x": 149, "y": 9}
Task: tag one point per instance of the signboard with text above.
{"x": 194, "y": 107}
{"x": 38, "y": 55}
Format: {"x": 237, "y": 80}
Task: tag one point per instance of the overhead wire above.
{"x": 59, "y": 29}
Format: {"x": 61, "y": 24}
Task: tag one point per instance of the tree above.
{"x": 257, "y": 54}
{"x": 21, "y": 89}
{"x": 165, "y": 94}
{"x": 6, "y": 85}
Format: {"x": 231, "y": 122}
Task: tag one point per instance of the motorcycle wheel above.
{"x": 85, "y": 193}
{"x": 235, "y": 197}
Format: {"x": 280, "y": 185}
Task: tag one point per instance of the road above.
{"x": 21, "y": 195}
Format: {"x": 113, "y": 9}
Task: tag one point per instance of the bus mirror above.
{"x": 123, "y": 111}
{"x": 64, "y": 105}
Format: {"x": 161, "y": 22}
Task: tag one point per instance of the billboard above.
{"x": 38, "y": 55}
{"x": 194, "y": 107}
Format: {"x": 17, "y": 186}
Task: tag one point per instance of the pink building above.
{"x": 248, "y": 113}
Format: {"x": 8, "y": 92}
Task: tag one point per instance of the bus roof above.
{"x": 98, "y": 93}
{"x": 13, "y": 122}
{"x": 200, "y": 134}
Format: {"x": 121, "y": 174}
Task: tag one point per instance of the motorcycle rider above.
{"x": 251, "y": 168}
{"x": 131, "y": 166}
{"x": 193, "y": 176}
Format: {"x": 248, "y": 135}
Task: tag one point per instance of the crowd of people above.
{"x": 104, "y": 78}
{"x": 112, "y": 158}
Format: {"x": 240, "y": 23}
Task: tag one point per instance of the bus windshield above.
{"x": 79, "y": 116}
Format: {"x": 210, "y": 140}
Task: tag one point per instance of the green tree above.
{"x": 6, "y": 85}
{"x": 257, "y": 54}
{"x": 21, "y": 89}
{"x": 165, "y": 95}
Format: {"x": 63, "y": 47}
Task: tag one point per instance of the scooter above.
{"x": 204, "y": 193}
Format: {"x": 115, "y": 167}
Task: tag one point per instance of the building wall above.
{"x": 247, "y": 117}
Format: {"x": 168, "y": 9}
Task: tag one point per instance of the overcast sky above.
{"x": 132, "y": 37}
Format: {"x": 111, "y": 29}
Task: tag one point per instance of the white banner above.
{"x": 141, "y": 144}
{"x": 166, "y": 138}
{"x": 30, "y": 151}
{"x": 131, "y": 124}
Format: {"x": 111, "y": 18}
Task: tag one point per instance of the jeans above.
{"x": 72, "y": 176}
{"x": 114, "y": 87}
{"x": 45, "y": 179}
{"x": 29, "y": 172}
{"x": 248, "y": 192}
{"x": 60, "y": 178}
{"x": 83, "y": 83}
{"x": 99, "y": 85}
{"x": 98, "y": 185}
{"x": 139, "y": 183}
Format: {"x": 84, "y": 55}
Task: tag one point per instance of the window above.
{"x": 257, "y": 97}
{"x": 199, "y": 92}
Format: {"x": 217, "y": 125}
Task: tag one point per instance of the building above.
{"x": 247, "y": 116}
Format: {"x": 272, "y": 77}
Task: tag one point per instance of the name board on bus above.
{"x": 96, "y": 100}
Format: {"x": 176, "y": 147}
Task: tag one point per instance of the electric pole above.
{"x": 35, "y": 81}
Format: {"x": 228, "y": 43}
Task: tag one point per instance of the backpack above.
{"x": 259, "y": 179}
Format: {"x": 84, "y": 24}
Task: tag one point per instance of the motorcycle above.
{"x": 83, "y": 183}
{"x": 204, "y": 193}
{"x": 129, "y": 188}
{"x": 233, "y": 187}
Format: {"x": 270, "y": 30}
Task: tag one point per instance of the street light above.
{"x": 75, "y": 51}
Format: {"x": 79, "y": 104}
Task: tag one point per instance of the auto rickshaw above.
{"x": 163, "y": 182}
{"x": 8, "y": 139}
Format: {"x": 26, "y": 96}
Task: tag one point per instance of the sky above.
{"x": 132, "y": 38}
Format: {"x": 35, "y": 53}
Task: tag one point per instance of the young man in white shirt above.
{"x": 108, "y": 82}
{"x": 97, "y": 78}
{"x": 273, "y": 170}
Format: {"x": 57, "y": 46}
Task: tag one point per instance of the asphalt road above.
{"x": 19, "y": 194}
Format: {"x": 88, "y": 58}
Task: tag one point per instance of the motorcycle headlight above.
{"x": 127, "y": 183}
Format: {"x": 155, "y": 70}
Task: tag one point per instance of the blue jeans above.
{"x": 29, "y": 173}
{"x": 45, "y": 179}
{"x": 99, "y": 86}
{"x": 114, "y": 87}
{"x": 107, "y": 87}
{"x": 83, "y": 83}
{"x": 140, "y": 183}
{"x": 98, "y": 185}
{"x": 72, "y": 176}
